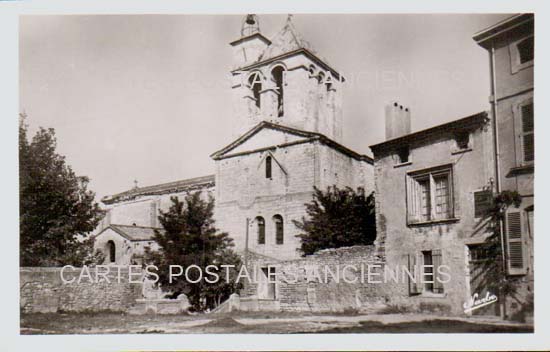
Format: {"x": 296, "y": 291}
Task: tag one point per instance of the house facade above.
{"x": 510, "y": 45}
{"x": 430, "y": 189}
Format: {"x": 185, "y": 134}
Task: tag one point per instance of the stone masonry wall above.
{"x": 43, "y": 291}
{"x": 299, "y": 290}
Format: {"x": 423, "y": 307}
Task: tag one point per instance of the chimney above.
{"x": 398, "y": 120}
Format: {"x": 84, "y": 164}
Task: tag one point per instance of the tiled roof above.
{"x": 460, "y": 124}
{"x": 518, "y": 22}
{"x": 163, "y": 188}
{"x": 135, "y": 233}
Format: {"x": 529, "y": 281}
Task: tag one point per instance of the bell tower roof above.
{"x": 286, "y": 42}
{"x": 250, "y": 30}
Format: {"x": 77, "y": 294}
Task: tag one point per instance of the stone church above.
{"x": 287, "y": 139}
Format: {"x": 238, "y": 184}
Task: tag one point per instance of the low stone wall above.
{"x": 299, "y": 289}
{"x": 43, "y": 291}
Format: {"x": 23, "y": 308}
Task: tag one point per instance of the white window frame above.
{"x": 413, "y": 195}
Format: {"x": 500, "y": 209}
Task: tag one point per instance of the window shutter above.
{"x": 437, "y": 262}
{"x": 527, "y": 127}
{"x": 412, "y": 200}
{"x": 414, "y": 288}
{"x": 528, "y": 147}
{"x": 514, "y": 244}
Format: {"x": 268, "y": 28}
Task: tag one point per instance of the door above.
{"x": 477, "y": 261}
{"x": 267, "y": 284}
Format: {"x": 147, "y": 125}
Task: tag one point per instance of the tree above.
{"x": 337, "y": 218}
{"x": 191, "y": 239}
{"x": 57, "y": 211}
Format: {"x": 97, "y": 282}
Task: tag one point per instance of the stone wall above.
{"x": 43, "y": 291}
{"x": 298, "y": 290}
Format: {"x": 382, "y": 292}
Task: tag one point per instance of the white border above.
{"x": 9, "y": 327}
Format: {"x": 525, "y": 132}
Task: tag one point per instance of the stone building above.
{"x": 510, "y": 44}
{"x": 288, "y": 134}
{"x": 431, "y": 187}
{"x": 132, "y": 217}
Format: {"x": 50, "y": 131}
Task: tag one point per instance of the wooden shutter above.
{"x": 514, "y": 244}
{"x": 414, "y": 287}
{"x": 437, "y": 262}
{"x": 527, "y": 127}
{"x": 413, "y": 201}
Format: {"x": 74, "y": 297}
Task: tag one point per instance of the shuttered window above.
{"x": 437, "y": 261}
{"x": 432, "y": 262}
{"x": 425, "y": 275}
{"x": 430, "y": 196}
{"x": 528, "y": 135}
{"x": 414, "y": 288}
{"x": 516, "y": 258}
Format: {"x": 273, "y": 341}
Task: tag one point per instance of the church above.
{"x": 287, "y": 140}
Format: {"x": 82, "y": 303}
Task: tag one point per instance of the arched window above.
{"x": 268, "y": 167}
{"x": 261, "y": 229}
{"x": 112, "y": 251}
{"x": 279, "y": 231}
{"x": 277, "y": 74}
{"x": 255, "y": 84}
{"x": 321, "y": 78}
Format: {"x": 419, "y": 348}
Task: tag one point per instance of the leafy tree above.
{"x": 493, "y": 275}
{"x": 57, "y": 211}
{"x": 337, "y": 218}
{"x": 190, "y": 238}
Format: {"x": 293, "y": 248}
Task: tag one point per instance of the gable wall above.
{"x": 244, "y": 192}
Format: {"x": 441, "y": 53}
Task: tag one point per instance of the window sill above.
{"x": 433, "y": 295}
{"x": 518, "y": 67}
{"x": 523, "y": 169}
{"x": 461, "y": 151}
{"x": 407, "y": 163}
{"x": 433, "y": 222}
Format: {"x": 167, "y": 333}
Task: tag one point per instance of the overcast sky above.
{"x": 148, "y": 97}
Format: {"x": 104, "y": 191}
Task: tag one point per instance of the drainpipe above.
{"x": 497, "y": 162}
{"x": 246, "y": 244}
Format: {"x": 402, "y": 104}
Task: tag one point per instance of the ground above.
{"x": 261, "y": 323}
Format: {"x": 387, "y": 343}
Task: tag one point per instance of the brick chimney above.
{"x": 398, "y": 120}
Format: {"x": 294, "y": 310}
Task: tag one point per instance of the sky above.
{"x": 148, "y": 97}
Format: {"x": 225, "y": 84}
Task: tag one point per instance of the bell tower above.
{"x": 248, "y": 48}
{"x": 283, "y": 81}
